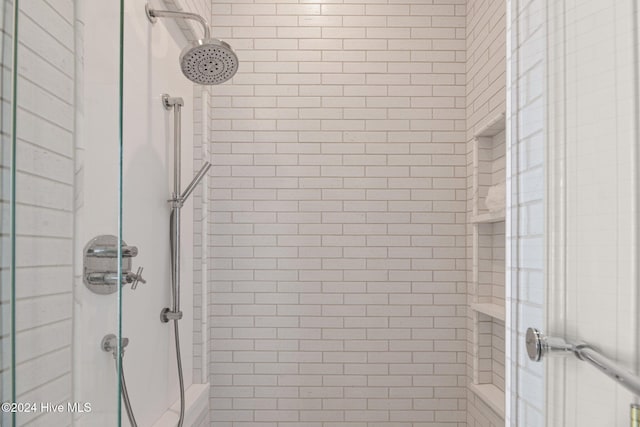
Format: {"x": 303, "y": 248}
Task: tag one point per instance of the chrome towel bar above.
{"x": 539, "y": 345}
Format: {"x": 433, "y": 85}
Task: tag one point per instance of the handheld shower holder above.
{"x": 170, "y": 101}
{"x": 176, "y": 202}
{"x": 166, "y": 315}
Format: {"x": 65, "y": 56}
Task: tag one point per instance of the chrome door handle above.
{"x": 540, "y": 345}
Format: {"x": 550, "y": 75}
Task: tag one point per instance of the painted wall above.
{"x": 67, "y": 165}
{"x": 151, "y": 68}
{"x": 67, "y": 194}
{"x": 338, "y": 208}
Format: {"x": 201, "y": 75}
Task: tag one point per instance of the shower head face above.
{"x": 208, "y": 62}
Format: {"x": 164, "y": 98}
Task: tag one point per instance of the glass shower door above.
{"x": 575, "y": 224}
{"x": 61, "y": 188}
{"x": 593, "y": 142}
{"x": 573, "y": 240}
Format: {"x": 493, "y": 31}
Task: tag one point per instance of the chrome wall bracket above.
{"x": 168, "y": 101}
{"x": 150, "y": 16}
{"x": 154, "y": 14}
{"x": 109, "y": 344}
{"x": 166, "y": 314}
{"x": 100, "y": 261}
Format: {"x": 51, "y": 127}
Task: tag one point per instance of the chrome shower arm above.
{"x": 153, "y": 14}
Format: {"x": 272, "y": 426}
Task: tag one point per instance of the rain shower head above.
{"x": 206, "y": 61}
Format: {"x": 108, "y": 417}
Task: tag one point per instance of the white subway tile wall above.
{"x": 337, "y": 215}
{"x": 485, "y": 100}
{"x": 201, "y": 115}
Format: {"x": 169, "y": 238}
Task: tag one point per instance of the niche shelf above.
{"x": 489, "y": 165}
{"x": 490, "y": 309}
{"x": 492, "y": 395}
{"x": 487, "y": 302}
{"x": 488, "y": 217}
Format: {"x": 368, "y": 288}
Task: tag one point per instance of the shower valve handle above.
{"x": 137, "y": 277}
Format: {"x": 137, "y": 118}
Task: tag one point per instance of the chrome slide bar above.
{"x": 176, "y": 202}
{"x": 540, "y": 345}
